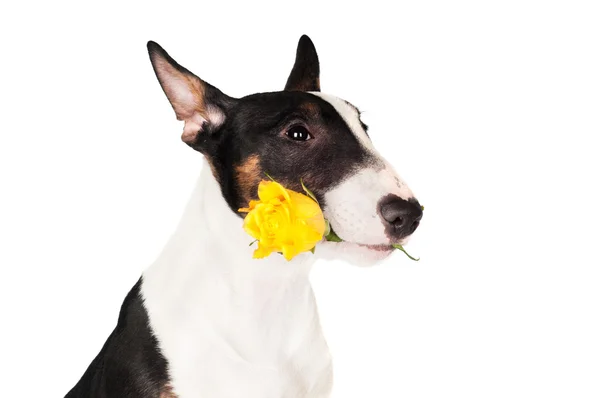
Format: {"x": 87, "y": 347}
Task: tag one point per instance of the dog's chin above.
{"x": 354, "y": 253}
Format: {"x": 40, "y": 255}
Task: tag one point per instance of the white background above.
{"x": 490, "y": 111}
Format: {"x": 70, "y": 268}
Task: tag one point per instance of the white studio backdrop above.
{"x": 489, "y": 110}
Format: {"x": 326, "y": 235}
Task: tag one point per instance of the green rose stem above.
{"x": 332, "y": 237}
{"x": 399, "y": 247}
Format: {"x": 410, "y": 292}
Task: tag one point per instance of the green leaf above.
{"x": 422, "y": 207}
{"x": 332, "y": 237}
{"x": 270, "y": 178}
{"x": 399, "y": 247}
{"x": 313, "y": 250}
{"x": 329, "y": 234}
{"x": 308, "y": 192}
{"x": 253, "y": 242}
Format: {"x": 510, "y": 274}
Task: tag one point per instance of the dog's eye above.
{"x": 298, "y": 133}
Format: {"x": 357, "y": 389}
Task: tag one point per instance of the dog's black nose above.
{"x": 400, "y": 216}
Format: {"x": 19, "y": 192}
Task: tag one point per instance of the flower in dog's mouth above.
{"x": 283, "y": 221}
{"x": 288, "y": 222}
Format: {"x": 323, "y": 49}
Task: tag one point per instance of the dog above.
{"x": 207, "y": 320}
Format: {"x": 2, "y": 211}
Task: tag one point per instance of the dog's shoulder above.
{"x": 130, "y": 363}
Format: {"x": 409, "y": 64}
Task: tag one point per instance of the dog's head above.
{"x": 293, "y": 135}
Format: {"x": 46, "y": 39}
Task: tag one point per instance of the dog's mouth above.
{"x": 382, "y": 247}
{"x": 379, "y": 248}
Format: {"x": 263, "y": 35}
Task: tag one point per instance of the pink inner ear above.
{"x": 192, "y": 127}
{"x": 186, "y": 93}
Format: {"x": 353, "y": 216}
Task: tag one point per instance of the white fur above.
{"x": 231, "y": 326}
{"x": 350, "y": 115}
{"x": 352, "y": 206}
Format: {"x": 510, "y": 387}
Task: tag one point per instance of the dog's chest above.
{"x": 221, "y": 341}
{"x": 216, "y": 373}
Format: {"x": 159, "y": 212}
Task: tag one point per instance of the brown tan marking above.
{"x": 312, "y": 110}
{"x": 167, "y": 392}
{"x": 248, "y": 175}
{"x": 197, "y": 88}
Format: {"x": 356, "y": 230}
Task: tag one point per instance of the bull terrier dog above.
{"x": 206, "y": 320}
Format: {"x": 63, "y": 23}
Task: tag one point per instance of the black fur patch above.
{"x": 305, "y": 73}
{"x": 252, "y": 137}
{"x": 256, "y": 127}
{"x": 130, "y": 364}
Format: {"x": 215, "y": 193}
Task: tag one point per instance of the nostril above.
{"x": 398, "y": 222}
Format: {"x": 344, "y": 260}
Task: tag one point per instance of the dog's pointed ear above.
{"x": 305, "y": 73}
{"x": 201, "y": 106}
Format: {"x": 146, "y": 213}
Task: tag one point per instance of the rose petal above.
{"x": 262, "y": 251}
{"x": 268, "y": 190}
{"x": 304, "y": 207}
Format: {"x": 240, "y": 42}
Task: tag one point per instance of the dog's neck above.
{"x": 206, "y": 275}
{"x": 219, "y": 315}
{"x": 210, "y": 238}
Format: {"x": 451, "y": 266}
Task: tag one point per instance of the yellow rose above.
{"x": 283, "y": 221}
